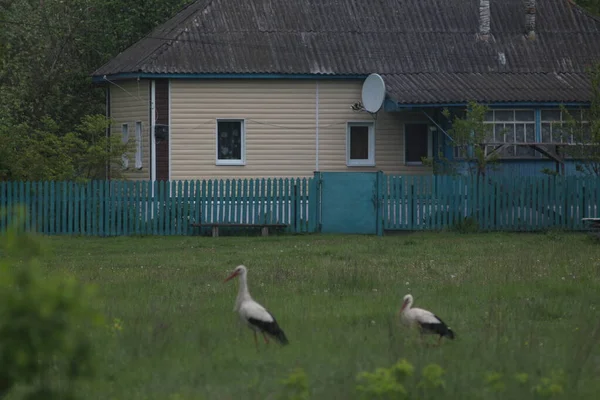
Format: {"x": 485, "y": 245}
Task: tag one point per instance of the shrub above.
{"x": 466, "y": 225}
{"x": 400, "y": 382}
{"x": 44, "y": 343}
{"x": 296, "y": 386}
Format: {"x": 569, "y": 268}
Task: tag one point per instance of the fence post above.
{"x": 582, "y": 213}
{"x": 378, "y": 202}
{"x": 315, "y": 202}
{"x": 413, "y": 209}
{"x": 295, "y": 205}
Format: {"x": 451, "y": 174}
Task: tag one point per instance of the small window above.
{"x": 417, "y": 143}
{"x": 124, "y": 140}
{"x": 360, "y": 144}
{"x": 138, "y": 145}
{"x": 231, "y": 138}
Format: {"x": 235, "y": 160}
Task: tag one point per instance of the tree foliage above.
{"x": 593, "y": 6}
{"x": 44, "y": 153}
{"x": 584, "y": 128}
{"x": 48, "y": 50}
{"x": 469, "y": 133}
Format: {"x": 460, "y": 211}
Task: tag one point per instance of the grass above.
{"x": 517, "y": 302}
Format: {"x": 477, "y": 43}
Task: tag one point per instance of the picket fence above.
{"x": 114, "y": 208}
{"x": 511, "y": 204}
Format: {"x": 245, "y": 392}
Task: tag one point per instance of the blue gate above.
{"x": 350, "y": 202}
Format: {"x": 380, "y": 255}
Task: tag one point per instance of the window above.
{"x": 519, "y": 126}
{"x": 554, "y": 125}
{"x": 417, "y": 143}
{"x": 360, "y": 144}
{"x": 138, "y": 145}
{"x": 231, "y": 138}
{"x": 124, "y": 140}
{"x": 509, "y": 126}
{"x": 512, "y": 126}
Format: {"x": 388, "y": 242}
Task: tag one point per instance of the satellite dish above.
{"x": 373, "y": 93}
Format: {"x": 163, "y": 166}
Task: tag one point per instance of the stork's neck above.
{"x": 243, "y": 293}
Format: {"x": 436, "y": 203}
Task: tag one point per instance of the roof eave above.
{"x": 145, "y": 75}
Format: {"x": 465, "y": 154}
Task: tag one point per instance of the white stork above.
{"x": 252, "y": 313}
{"x": 427, "y": 322}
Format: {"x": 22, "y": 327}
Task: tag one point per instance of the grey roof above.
{"x": 487, "y": 87}
{"x": 427, "y": 50}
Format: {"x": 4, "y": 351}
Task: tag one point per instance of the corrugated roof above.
{"x": 425, "y": 41}
{"x": 489, "y": 87}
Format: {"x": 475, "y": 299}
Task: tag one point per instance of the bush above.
{"x": 401, "y": 382}
{"x": 295, "y": 386}
{"x": 466, "y": 225}
{"x": 44, "y": 322}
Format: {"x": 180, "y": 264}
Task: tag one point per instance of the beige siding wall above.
{"x": 280, "y": 117}
{"x": 335, "y": 98}
{"x": 129, "y": 103}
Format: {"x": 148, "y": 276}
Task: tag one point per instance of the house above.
{"x": 232, "y": 88}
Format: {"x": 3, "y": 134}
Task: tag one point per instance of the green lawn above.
{"x": 517, "y": 302}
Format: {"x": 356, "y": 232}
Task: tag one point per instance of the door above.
{"x": 349, "y": 202}
{"x": 161, "y": 138}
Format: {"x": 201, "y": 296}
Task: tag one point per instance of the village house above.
{"x": 232, "y": 88}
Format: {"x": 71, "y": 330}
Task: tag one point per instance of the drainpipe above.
{"x": 107, "y": 93}
{"x": 484, "y": 20}
{"x": 530, "y": 19}
{"x": 317, "y": 128}
{"x": 152, "y": 130}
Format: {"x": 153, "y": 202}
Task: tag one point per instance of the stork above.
{"x": 253, "y": 314}
{"x": 427, "y": 322}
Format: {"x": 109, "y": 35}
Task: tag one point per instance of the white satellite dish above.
{"x": 373, "y": 93}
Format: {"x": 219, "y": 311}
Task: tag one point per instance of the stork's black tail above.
{"x": 281, "y": 338}
{"x": 274, "y": 330}
{"x": 444, "y": 330}
{"x": 439, "y": 328}
{"x": 271, "y": 328}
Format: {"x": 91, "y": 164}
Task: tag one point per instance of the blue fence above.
{"x": 113, "y": 208}
{"x": 496, "y": 203}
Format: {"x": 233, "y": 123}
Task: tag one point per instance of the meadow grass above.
{"x": 517, "y": 302}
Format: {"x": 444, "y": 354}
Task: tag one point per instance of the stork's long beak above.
{"x": 403, "y": 306}
{"x": 233, "y": 275}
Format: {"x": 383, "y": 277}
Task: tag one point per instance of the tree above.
{"x": 582, "y": 130}
{"x": 593, "y": 6}
{"x": 48, "y": 49}
{"x": 47, "y": 154}
{"x": 469, "y": 133}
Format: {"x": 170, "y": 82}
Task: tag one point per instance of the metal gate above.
{"x": 350, "y": 202}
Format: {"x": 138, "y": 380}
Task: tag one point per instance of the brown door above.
{"x": 161, "y": 98}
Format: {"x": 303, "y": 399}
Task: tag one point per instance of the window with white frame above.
{"x": 124, "y": 140}
{"x": 418, "y": 143}
{"x": 360, "y": 144}
{"x": 554, "y": 125}
{"x": 519, "y": 126}
{"x": 231, "y": 142}
{"x": 138, "y": 145}
{"x": 512, "y": 126}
